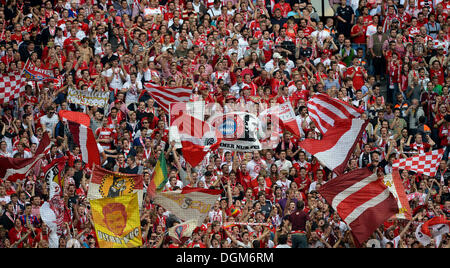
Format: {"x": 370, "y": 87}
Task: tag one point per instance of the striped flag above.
{"x": 337, "y": 145}
{"x": 77, "y": 117}
{"x": 166, "y": 95}
{"x": 84, "y": 137}
{"x": 326, "y": 111}
{"x": 16, "y": 168}
{"x": 159, "y": 178}
{"x": 427, "y": 163}
{"x": 362, "y": 201}
{"x": 197, "y": 138}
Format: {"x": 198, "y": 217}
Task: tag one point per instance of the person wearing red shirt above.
{"x": 438, "y": 71}
{"x": 307, "y": 30}
{"x": 262, "y": 186}
{"x": 284, "y": 7}
{"x": 358, "y": 34}
{"x": 357, "y": 73}
{"x": 303, "y": 181}
{"x": 18, "y": 232}
{"x": 420, "y": 146}
{"x": 72, "y": 42}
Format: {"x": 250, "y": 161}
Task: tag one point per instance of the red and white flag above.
{"x": 188, "y": 204}
{"x": 197, "y": 138}
{"x": 16, "y": 168}
{"x": 283, "y": 115}
{"x": 427, "y": 163}
{"x": 395, "y": 185}
{"x": 362, "y": 201}
{"x": 84, "y": 137}
{"x": 326, "y": 111}
{"x": 78, "y": 117}
{"x": 10, "y": 87}
{"x": 166, "y": 95}
{"x": 433, "y": 228}
{"x": 32, "y": 72}
{"x": 337, "y": 145}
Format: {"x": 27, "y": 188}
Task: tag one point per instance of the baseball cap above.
{"x": 277, "y": 55}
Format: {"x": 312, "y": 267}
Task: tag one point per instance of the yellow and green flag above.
{"x": 117, "y": 221}
{"x": 159, "y": 178}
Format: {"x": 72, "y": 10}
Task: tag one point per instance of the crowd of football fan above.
{"x": 386, "y": 57}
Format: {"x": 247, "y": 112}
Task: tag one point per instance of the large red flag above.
{"x": 80, "y": 118}
{"x": 16, "y": 168}
{"x": 326, "y": 111}
{"x": 166, "y": 95}
{"x": 337, "y": 145}
{"x": 84, "y": 137}
{"x": 197, "y": 138}
{"x": 362, "y": 201}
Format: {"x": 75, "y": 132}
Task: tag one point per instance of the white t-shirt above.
{"x": 133, "y": 91}
{"x": 285, "y": 165}
{"x": 116, "y": 82}
{"x": 49, "y": 123}
{"x": 254, "y": 168}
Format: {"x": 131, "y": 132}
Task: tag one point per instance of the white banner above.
{"x": 89, "y": 98}
{"x": 239, "y": 131}
{"x": 188, "y": 204}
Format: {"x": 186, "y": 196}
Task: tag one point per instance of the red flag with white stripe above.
{"x": 325, "y": 111}
{"x": 362, "y": 201}
{"x": 337, "y": 145}
{"x": 16, "y": 168}
{"x": 427, "y": 163}
{"x": 84, "y": 137}
{"x": 166, "y": 95}
{"x": 77, "y": 117}
{"x": 197, "y": 138}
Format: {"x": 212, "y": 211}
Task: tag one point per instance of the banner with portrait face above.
{"x": 117, "y": 221}
{"x": 105, "y": 183}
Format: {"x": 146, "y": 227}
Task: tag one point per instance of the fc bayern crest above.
{"x": 230, "y": 126}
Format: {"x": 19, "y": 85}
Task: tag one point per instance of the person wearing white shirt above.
{"x": 320, "y": 34}
{"x": 115, "y": 76}
{"x": 255, "y": 165}
{"x": 133, "y": 88}
{"x": 49, "y": 121}
{"x": 216, "y": 10}
{"x": 283, "y": 163}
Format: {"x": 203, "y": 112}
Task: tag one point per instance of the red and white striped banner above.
{"x": 337, "y": 145}
{"x": 362, "y": 201}
{"x": 166, "y": 95}
{"x": 325, "y": 111}
{"x": 84, "y": 137}
{"x": 14, "y": 169}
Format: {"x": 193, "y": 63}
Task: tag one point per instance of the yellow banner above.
{"x": 117, "y": 221}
